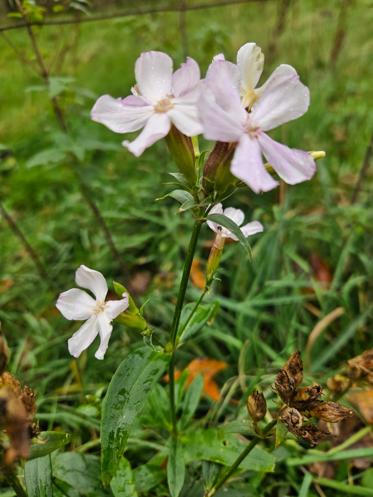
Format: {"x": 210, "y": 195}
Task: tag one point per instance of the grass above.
{"x": 268, "y": 308}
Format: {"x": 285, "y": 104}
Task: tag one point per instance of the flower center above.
{"x": 252, "y": 130}
{"x": 99, "y": 307}
{"x": 163, "y": 105}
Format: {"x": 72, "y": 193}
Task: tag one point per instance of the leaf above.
{"x": 58, "y": 85}
{"x": 47, "y": 442}
{"x": 281, "y": 433}
{"x": 192, "y": 398}
{"x": 46, "y": 157}
{"x": 201, "y": 317}
{"x": 175, "y": 468}
{"x": 123, "y": 483}
{"x": 124, "y": 401}
{"x": 149, "y": 475}
{"x": 38, "y": 477}
{"x": 232, "y": 227}
{"x": 80, "y": 472}
{"x": 217, "y": 445}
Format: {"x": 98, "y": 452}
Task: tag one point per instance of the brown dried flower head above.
{"x": 331, "y": 412}
{"x": 361, "y": 367}
{"x": 256, "y": 406}
{"x": 303, "y": 403}
{"x": 17, "y": 410}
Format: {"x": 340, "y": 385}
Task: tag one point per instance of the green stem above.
{"x": 219, "y": 482}
{"x": 176, "y": 318}
{"x": 192, "y": 312}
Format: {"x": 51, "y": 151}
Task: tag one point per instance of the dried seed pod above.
{"x": 312, "y": 434}
{"x": 338, "y": 383}
{"x": 294, "y": 368}
{"x": 361, "y": 367}
{"x": 292, "y": 418}
{"x": 256, "y": 406}
{"x": 331, "y": 412}
{"x": 306, "y": 396}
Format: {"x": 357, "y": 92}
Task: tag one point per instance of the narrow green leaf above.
{"x": 329, "y": 456}
{"x": 306, "y": 483}
{"x": 124, "y": 400}
{"x": 175, "y": 468}
{"x": 349, "y": 490}
{"x": 38, "y": 477}
{"x": 191, "y": 399}
{"x": 232, "y": 227}
{"x": 281, "y": 433}
{"x": 203, "y": 314}
{"x": 46, "y": 442}
{"x": 123, "y": 483}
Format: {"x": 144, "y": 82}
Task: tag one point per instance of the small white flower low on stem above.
{"x": 76, "y": 304}
{"x": 237, "y": 216}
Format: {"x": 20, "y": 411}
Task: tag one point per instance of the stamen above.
{"x": 99, "y": 307}
{"x": 163, "y": 105}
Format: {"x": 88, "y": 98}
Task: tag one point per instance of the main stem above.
{"x": 14, "y": 482}
{"x": 219, "y": 482}
{"x": 176, "y": 319}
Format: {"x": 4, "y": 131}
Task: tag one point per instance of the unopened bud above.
{"x": 182, "y": 151}
{"x": 256, "y": 406}
{"x": 214, "y": 257}
{"x": 331, "y": 412}
{"x": 319, "y": 154}
{"x": 131, "y": 317}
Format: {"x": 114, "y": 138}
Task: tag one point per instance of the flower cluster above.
{"x": 226, "y": 106}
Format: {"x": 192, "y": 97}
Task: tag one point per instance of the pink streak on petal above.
{"x": 247, "y": 165}
{"x": 292, "y": 165}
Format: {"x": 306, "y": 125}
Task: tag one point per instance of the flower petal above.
{"x": 186, "y": 78}
{"x": 223, "y": 79}
{"x": 75, "y": 304}
{"x": 156, "y": 128}
{"x": 121, "y": 115}
{"x": 104, "y": 329}
{"x": 250, "y": 61}
{"x": 115, "y": 307}
{"x": 282, "y": 98}
{"x": 236, "y": 215}
{"x": 217, "y": 123}
{"x": 217, "y": 209}
{"x": 83, "y": 338}
{"x": 292, "y": 165}
{"x": 247, "y": 165}
{"x": 186, "y": 118}
{"x": 92, "y": 280}
{"x": 252, "y": 228}
{"x": 154, "y": 75}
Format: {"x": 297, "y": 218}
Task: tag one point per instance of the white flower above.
{"x": 160, "y": 99}
{"x": 237, "y": 216}
{"x": 78, "y": 305}
{"x": 232, "y": 110}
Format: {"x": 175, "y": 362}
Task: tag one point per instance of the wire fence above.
{"x": 178, "y": 7}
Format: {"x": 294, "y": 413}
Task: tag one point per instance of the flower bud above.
{"x": 181, "y": 149}
{"x": 256, "y": 406}
{"x": 214, "y": 257}
{"x": 131, "y": 317}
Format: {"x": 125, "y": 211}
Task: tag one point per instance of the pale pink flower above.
{"x": 97, "y": 313}
{"x": 238, "y": 217}
{"x": 232, "y": 109}
{"x": 160, "y": 98}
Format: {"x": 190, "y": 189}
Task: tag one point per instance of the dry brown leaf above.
{"x": 363, "y": 400}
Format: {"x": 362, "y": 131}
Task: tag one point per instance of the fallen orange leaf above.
{"x": 363, "y": 400}
{"x": 197, "y": 275}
